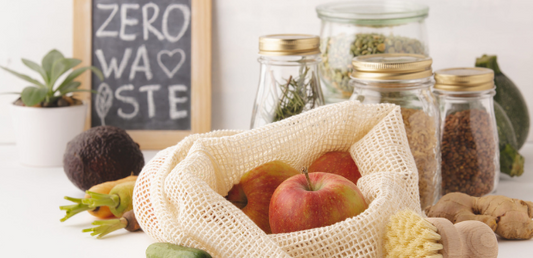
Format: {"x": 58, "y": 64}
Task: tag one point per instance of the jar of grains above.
{"x": 365, "y": 27}
{"x": 405, "y": 80}
{"x": 289, "y": 83}
{"x": 469, "y": 140}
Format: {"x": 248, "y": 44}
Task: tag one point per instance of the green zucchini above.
{"x": 167, "y": 250}
{"x": 511, "y": 162}
{"x": 510, "y": 99}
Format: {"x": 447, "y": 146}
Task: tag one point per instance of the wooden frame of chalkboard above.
{"x": 200, "y": 72}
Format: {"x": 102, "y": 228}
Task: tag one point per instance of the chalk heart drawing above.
{"x": 103, "y": 101}
{"x": 182, "y": 56}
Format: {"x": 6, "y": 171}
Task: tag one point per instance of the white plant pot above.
{"x": 42, "y": 134}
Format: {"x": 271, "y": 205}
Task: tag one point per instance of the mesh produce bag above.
{"x": 179, "y": 199}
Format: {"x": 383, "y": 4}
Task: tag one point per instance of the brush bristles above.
{"x": 410, "y": 235}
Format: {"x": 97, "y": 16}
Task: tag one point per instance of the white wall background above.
{"x": 459, "y": 31}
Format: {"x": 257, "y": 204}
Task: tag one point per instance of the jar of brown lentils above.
{"x": 406, "y": 80}
{"x": 469, "y": 138}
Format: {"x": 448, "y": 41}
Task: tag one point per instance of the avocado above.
{"x": 101, "y": 154}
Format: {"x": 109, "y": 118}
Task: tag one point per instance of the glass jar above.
{"x": 289, "y": 83}
{"x": 356, "y": 28}
{"x": 406, "y": 80}
{"x": 469, "y": 140}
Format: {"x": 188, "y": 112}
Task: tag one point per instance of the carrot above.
{"x": 119, "y": 200}
{"x": 100, "y": 212}
{"x": 127, "y": 221}
{"x": 104, "y": 212}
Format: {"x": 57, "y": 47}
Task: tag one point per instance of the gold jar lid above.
{"x": 391, "y": 67}
{"x": 289, "y": 44}
{"x": 464, "y": 79}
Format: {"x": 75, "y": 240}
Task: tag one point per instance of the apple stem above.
{"x": 304, "y": 171}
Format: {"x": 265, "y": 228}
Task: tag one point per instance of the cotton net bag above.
{"x": 179, "y": 195}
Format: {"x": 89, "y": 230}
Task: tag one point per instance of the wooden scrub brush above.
{"x": 410, "y": 235}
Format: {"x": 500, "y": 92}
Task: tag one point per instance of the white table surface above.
{"x": 30, "y": 214}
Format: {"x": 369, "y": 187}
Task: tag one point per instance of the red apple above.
{"x": 320, "y": 200}
{"x": 337, "y": 162}
{"x": 252, "y": 194}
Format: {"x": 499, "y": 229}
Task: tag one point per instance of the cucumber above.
{"x": 167, "y": 250}
{"x": 511, "y": 162}
{"x": 510, "y": 99}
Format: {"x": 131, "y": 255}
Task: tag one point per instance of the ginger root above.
{"x": 507, "y": 217}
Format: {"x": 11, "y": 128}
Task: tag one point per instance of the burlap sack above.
{"x": 179, "y": 195}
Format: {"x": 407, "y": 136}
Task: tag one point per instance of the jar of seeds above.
{"x": 289, "y": 83}
{"x": 469, "y": 140}
{"x": 359, "y": 28}
{"x": 406, "y": 80}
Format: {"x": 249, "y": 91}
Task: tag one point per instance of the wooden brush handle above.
{"x": 478, "y": 239}
{"x": 467, "y": 239}
{"x": 450, "y": 238}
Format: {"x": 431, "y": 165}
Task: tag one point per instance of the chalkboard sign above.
{"x": 155, "y": 57}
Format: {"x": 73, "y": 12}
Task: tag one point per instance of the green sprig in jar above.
{"x": 289, "y": 82}
{"x": 358, "y": 28}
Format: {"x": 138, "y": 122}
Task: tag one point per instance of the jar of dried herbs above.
{"x": 365, "y": 27}
{"x": 469, "y": 141}
{"x": 406, "y": 80}
{"x": 289, "y": 83}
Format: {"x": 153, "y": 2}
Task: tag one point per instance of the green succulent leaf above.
{"x": 24, "y": 77}
{"x": 97, "y": 72}
{"x": 53, "y": 66}
{"x": 49, "y": 60}
{"x": 81, "y": 90}
{"x": 74, "y": 74}
{"x": 33, "y": 95}
{"x": 69, "y": 87}
{"x": 36, "y": 67}
{"x": 60, "y": 67}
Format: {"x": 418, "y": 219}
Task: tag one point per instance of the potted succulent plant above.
{"x": 46, "y": 116}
